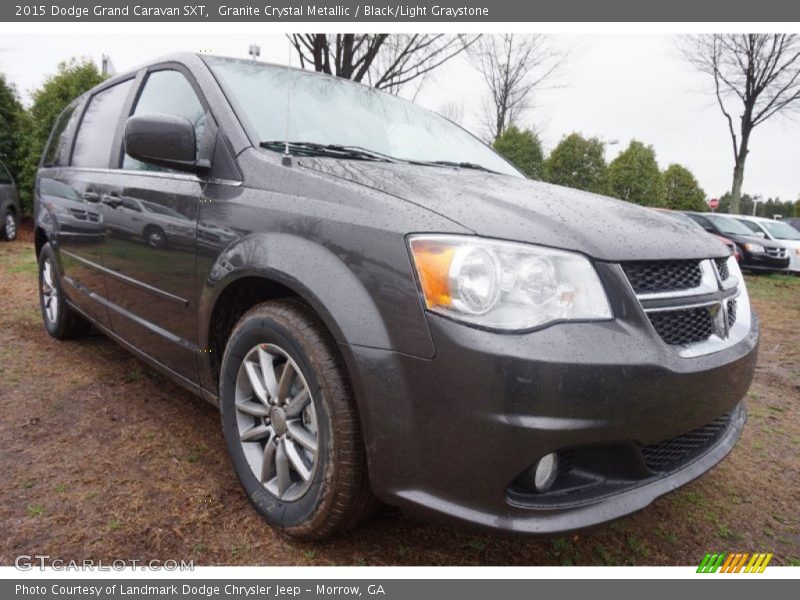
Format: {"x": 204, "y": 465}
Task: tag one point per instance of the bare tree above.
{"x": 453, "y": 111}
{"x": 756, "y": 75}
{"x": 513, "y": 66}
{"x": 384, "y": 61}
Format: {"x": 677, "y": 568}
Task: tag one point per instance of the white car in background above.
{"x": 782, "y": 234}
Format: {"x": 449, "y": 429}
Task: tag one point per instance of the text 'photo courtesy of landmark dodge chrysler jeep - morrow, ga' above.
{"x": 383, "y": 308}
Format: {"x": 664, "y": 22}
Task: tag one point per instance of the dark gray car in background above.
{"x": 384, "y": 308}
{"x": 9, "y": 205}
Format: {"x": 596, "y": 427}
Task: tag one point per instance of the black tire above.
{"x": 339, "y": 497}
{"x": 9, "y": 230}
{"x": 67, "y": 324}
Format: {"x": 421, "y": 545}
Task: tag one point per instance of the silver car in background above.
{"x": 9, "y": 205}
{"x": 782, "y": 234}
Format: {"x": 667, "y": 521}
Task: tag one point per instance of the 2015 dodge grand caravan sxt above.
{"x": 383, "y": 308}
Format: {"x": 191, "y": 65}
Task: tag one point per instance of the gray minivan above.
{"x": 385, "y": 309}
{"x": 9, "y": 205}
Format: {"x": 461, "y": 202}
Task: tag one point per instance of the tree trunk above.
{"x": 738, "y": 173}
{"x": 736, "y": 188}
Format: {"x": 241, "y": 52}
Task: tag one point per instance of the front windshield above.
{"x": 729, "y": 225}
{"x": 781, "y": 231}
{"x": 327, "y": 110}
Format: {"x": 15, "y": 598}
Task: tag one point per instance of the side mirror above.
{"x": 164, "y": 140}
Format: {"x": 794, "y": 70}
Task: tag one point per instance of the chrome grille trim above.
{"x": 726, "y": 300}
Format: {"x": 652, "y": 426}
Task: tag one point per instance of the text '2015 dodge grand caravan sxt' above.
{"x": 384, "y": 308}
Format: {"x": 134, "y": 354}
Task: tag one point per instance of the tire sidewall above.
{"x": 301, "y": 512}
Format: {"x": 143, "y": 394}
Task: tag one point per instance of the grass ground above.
{"x": 103, "y": 458}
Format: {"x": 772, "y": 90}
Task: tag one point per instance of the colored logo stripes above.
{"x": 735, "y": 562}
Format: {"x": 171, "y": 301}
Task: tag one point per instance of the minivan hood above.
{"x": 511, "y": 208}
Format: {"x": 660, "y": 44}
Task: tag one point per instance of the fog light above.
{"x": 545, "y": 472}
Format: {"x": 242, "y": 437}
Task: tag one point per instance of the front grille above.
{"x": 648, "y": 277}
{"x": 731, "y": 313}
{"x": 722, "y": 267}
{"x": 777, "y": 252}
{"x": 673, "y": 453}
{"x": 683, "y": 326}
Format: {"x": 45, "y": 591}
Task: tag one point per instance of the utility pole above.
{"x": 254, "y": 51}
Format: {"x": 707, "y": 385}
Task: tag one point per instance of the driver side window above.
{"x": 168, "y": 92}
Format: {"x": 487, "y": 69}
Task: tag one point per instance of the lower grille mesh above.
{"x": 673, "y": 453}
{"x": 683, "y": 326}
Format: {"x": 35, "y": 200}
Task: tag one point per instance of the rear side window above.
{"x": 57, "y": 152}
{"x": 95, "y": 139}
{"x": 168, "y": 92}
{"x": 5, "y": 176}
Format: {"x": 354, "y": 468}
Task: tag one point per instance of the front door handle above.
{"x": 111, "y": 200}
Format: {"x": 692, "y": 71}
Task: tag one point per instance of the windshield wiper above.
{"x": 454, "y": 164}
{"x": 331, "y": 150}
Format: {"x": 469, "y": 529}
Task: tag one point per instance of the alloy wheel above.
{"x": 277, "y": 422}
{"x": 10, "y": 227}
{"x": 50, "y": 298}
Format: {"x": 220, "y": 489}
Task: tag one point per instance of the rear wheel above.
{"x": 9, "y": 226}
{"x": 60, "y": 320}
{"x": 291, "y": 425}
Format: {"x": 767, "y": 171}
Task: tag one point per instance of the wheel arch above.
{"x": 265, "y": 267}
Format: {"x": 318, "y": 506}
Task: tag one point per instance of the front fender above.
{"x": 363, "y": 301}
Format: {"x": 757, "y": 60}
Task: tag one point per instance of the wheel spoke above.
{"x": 47, "y": 275}
{"x": 297, "y": 461}
{"x": 255, "y": 433}
{"x": 286, "y": 381}
{"x": 303, "y": 437}
{"x": 282, "y": 467}
{"x": 255, "y": 381}
{"x": 268, "y": 466}
{"x": 296, "y": 405}
{"x": 255, "y": 409}
{"x": 266, "y": 361}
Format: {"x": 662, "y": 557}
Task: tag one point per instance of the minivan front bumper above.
{"x": 447, "y": 437}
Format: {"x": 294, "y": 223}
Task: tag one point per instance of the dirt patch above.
{"x": 103, "y": 458}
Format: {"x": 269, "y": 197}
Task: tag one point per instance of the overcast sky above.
{"x": 616, "y": 87}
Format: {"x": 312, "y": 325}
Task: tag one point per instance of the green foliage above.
{"x": 681, "y": 190}
{"x": 11, "y": 119}
{"x": 72, "y": 79}
{"x": 578, "y": 162}
{"x": 523, "y": 149}
{"x": 797, "y": 208}
{"x": 769, "y": 208}
{"x": 634, "y": 176}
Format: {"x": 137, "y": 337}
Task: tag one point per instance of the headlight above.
{"x": 754, "y": 248}
{"x": 505, "y": 285}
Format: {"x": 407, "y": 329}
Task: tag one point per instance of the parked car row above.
{"x": 760, "y": 251}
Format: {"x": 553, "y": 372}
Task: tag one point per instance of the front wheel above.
{"x": 155, "y": 237}
{"x": 291, "y": 425}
